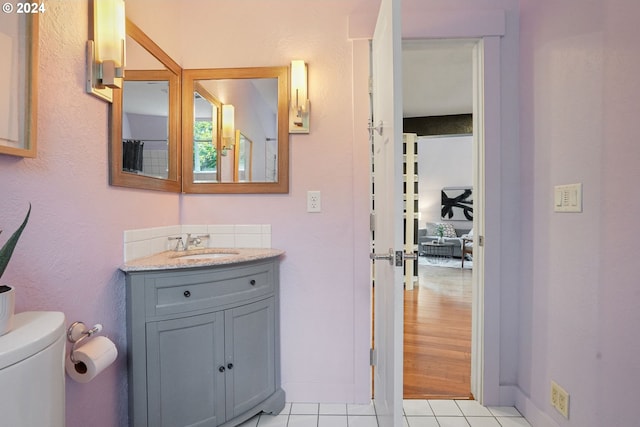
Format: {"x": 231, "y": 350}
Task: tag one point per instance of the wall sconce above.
{"x": 228, "y": 128}
{"x": 299, "y": 103}
{"x": 106, "y": 52}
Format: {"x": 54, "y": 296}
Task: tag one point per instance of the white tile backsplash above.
{"x": 248, "y": 229}
{"x": 148, "y": 241}
{"x": 266, "y": 240}
{"x": 248, "y": 240}
{"x": 222, "y": 240}
{"x": 221, "y": 229}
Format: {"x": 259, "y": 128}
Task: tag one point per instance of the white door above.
{"x": 387, "y": 176}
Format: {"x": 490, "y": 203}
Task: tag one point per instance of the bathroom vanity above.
{"x": 203, "y": 338}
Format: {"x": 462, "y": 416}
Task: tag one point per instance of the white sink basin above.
{"x": 209, "y": 256}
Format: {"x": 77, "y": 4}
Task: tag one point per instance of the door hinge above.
{"x": 373, "y": 357}
{"x": 378, "y": 129}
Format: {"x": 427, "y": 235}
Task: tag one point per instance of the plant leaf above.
{"x": 10, "y": 245}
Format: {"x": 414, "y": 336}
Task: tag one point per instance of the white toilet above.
{"x": 32, "y": 371}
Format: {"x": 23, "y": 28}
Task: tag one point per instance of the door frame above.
{"x": 488, "y": 27}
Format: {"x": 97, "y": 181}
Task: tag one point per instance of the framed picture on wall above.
{"x": 457, "y": 204}
{"x": 19, "y": 53}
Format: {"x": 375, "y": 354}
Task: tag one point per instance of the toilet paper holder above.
{"x": 78, "y": 332}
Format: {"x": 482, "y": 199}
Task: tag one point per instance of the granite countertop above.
{"x": 170, "y": 260}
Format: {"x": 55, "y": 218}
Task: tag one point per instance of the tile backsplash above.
{"x": 148, "y": 241}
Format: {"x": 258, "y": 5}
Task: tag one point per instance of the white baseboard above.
{"x": 512, "y": 395}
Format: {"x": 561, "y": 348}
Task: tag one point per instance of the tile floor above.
{"x": 417, "y": 413}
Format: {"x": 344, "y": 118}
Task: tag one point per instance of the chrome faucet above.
{"x": 179, "y": 243}
{"x": 196, "y": 240}
{"x": 192, "y": 241}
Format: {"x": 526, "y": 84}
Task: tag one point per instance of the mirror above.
{"x": 145, "y": 118}
{"x": 251, "y": 155}
{"x": 168, "y": 127}
{"x": 18, "y": 87}
{"x": 207, "y": 118}
{"x": 243, "y": 171}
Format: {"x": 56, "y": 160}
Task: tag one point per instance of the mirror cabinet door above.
{"x": 244, "y": 149}
{"x": 145, "y": 119}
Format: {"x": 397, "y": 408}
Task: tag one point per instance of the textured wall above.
{"x": 579, "y": 316}
{"x": 68, "y": 256}
{"x": 321, "y": 360}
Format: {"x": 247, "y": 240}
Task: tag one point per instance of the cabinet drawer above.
{"x": 189, "y": 291}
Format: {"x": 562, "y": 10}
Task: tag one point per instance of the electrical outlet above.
{"x": 560, "y": 399}
{"x": 314, "y": 201}
{"x": 554, "y": 394}
{"x": 563, "y": 403}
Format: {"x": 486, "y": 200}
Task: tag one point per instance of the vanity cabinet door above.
{"x": 250, "y": 348}
{"x": 185, "y": 386}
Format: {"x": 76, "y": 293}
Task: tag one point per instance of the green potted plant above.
{"x": 7, "y": 293}
{"x": 440, "y": 231}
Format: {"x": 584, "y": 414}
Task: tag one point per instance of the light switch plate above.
{"x": 568, "y": 198}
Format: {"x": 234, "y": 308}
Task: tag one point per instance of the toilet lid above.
{"x": 32, "y": 332}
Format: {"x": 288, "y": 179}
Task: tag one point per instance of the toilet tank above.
{"x": 32, "y": 371}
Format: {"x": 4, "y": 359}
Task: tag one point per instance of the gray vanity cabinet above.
{"x": 249, "y": 348}
{"x": 203, "y": 345}
{"x": 181, "y": 378}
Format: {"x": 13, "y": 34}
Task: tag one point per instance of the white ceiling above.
{"x": 437, "y": 77}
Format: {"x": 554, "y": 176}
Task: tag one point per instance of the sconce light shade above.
{"x": 299, "y": 103}
{"x": 106, "y": 52}
{"x": 228, "y": 128}
{"x": 228, "y": 119}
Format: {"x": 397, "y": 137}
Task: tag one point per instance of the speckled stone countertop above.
{"x": 170, "y": 260}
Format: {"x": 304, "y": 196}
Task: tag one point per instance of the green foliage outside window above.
{"x": 204, "y": 148}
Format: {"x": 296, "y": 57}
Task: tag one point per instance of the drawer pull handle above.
{"x": 187, "y": 294}
{"x": 252, "y": 282}
{"x": 230, "y": 366}
{"x": 221, "y": 369}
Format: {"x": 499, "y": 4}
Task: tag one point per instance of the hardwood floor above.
{"x": 437, "y": 335}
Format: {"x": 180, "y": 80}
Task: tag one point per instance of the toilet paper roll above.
{"x": 93, "y": 357}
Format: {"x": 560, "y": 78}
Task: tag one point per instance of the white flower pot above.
{"x": 7, "y": 309}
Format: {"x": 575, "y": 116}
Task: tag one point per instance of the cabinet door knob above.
{"x": 252, "y": 282}
{"x": 230, "y": 366}
{"x": 221, "y": 369}
{"x": 187, "y": 294}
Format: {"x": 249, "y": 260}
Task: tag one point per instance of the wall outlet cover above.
{"x": 314, "y": 201}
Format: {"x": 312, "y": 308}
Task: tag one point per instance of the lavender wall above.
{"x": 321, "y": 272}
{"x": 578, "y": 308}
{"x": 579, "y": 92}
{"x": 68, "y": 256}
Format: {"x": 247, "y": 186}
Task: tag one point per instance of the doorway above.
{"x": 437, "y": 108}
{"x": 438, "y": 307}
{"x": 489, "y": 102}
{"x": 463, "y": 370}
